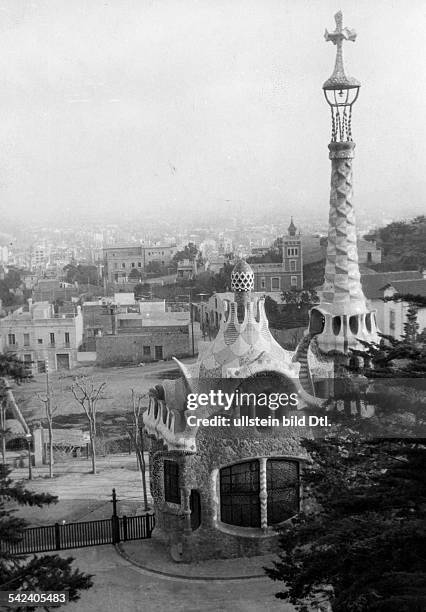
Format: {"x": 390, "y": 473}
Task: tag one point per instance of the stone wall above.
{"x": 217, "y": 448}
{"x": 129, "y": 348}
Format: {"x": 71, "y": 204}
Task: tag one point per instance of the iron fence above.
{"x": 77, "y": 535}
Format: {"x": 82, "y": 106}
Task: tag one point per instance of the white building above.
{"x": 368, "y": 252}
{"x": 38, "y": 335}
{"x": 39, "y": 256}
{"x": 374, "y": 285}
{"x": 395, "y": 313}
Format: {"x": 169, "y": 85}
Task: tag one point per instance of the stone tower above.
{"x": 292, "y": 257}
{"x": 342, "y": 317}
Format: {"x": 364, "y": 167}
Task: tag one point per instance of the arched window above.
{"x": 353, "y": 324}
{"x": 242, "y": 485}
{"x": 195, "y": 506}
{"x": 282, "y": 477}
{"x": 239, "y": 494}
{"x": 368, "y": 321}
{"x": 316, "y": 322}
{"x": 337, "y": 325}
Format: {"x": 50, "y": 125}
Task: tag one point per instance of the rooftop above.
{"x": 410, "y": 286}
{"x": 38, "y": 311}
{"x": 373, "y": 284}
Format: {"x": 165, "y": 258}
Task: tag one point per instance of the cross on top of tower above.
{"x": 338, "y": 79}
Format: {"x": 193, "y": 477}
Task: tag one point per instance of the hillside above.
{"x": 403, "y": 245}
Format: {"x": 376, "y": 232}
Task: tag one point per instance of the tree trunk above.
{"x": 142, "y": 467}
{"x": 3, "y": 432}
{"x": 50, "y": 449}
{"x": 145, "y": 496}
{"x": 139, "y": 448}
{"x": 93, "y": 450}
{"x": 3, "y": 447}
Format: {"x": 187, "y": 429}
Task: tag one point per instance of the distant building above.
{"x": 144, "y": 337}
{"x": 186, "y": 270}
{"x": 30, "y": 280}
{"x": 395, "y": 313}
{"x": 373, "y": 286}
{"x": 120, "y": 261}
{"x": 40, "y": 336}
{"x": 216, "y": 263}
{"x": 368, "y": 252}
{"x": 97, "y": 314}
{"x": 52, "y": 289}
{"x": 286, "y": 275}
{"x": 39, "y": 256}
{"x": 4, "y": 255}
{"x": 259, "y": 251}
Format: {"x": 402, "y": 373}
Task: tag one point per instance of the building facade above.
{"x": 221, "y": 491}
{"x": 186, "y": 270}
{"x": 140, "y": 340}
{"x": 120, "y": 261}
{"x": 39, "y": 336}
{"x": 374, "y": 286}
{"x": 52, "y": 289}
{"x": 395, "y": 313}
{"x": 286, "y": 275}
{"x": 368, "y": 252}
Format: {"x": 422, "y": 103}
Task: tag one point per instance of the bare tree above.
{"x": 50, "y": 408}
{"x": 3, "y": 429}
{"x": 136, "y": 435}
{"x": 87, "y": 393}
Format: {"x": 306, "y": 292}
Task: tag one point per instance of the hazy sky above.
{"x": 174, "y": 105}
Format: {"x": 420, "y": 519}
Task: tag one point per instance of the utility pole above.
{"x": 192, "y": 320}
{"x": 49, "y": 420}
{"x": 3, "y": 428}
{"x": 30, "y": 467}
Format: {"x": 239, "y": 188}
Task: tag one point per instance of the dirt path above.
{"x": 84, "y": 496}
{"x": 115, "y": 398}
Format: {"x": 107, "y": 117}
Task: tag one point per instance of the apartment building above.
{"x": 120, "y": 261}
{"x": 39, "y": 336}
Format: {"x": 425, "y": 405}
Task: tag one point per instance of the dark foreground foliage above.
{"x": 363, "y": 546}
{"x": 360, "y": 546}
{"x": 39, "y": 573}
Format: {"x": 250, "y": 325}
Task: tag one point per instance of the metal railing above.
{"x": 78, "y": 535}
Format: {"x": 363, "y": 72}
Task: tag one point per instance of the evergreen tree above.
{"x": 360, "y": 547}
{"x": 40, "y": 573}
{"x": 411, "y": 325}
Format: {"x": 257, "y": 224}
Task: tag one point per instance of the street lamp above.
{"x": 28, "y": 438}
{"x": 341, "y": 91}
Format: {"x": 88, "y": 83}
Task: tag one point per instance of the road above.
{"x": 119, "y": 586}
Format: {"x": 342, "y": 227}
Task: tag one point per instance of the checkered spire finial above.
{"x": 242, "y": 277}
